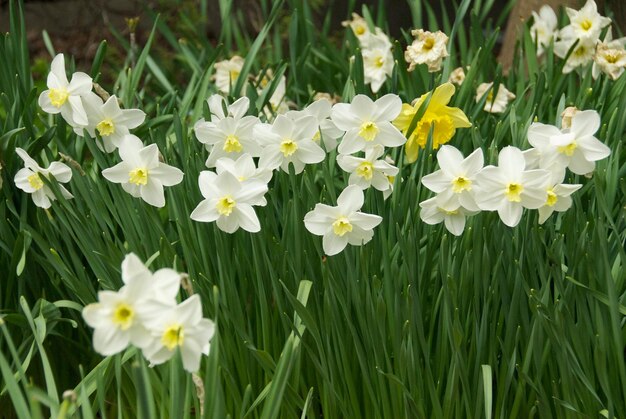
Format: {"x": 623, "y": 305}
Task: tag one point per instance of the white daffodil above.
{"x": 610, "y": 57}
{"x": 577, "y": 146}
{"x": 287, "y": 141}
{"x": 378, "y": 60}
{"x": 582, "y": 54}
{"x": 497, "y": 103}
{"x": 457, "y": 76}
{"x": 509, "y": 187}
{"x": 229, "y": 201}
{"x": 227, "y": 72}
{"x": 368, "y": 171}
{"x": 180, "y": 328}
{"x": 559, "y": 199}
{"x": 245, "y": 171}
{"x": 328, "y": 132}
{"x": 65, "y": 97}
{"x": 359, "y": 28}
{"x": 219, "y": 110}
{"x": 343, "y": 224}
{"x": 229, "y": 137}
{"x": 429, "y": 48}
{"x": 544, "y": 28}
{"x": 455, "y": 179}
{"x": 439, "y": 209}
{"x": 109, "y": 121}
{"x": 141, "y": 173}
{"x": 368, "y": 123}
{"x": 544, "y": 154}
{"x": 585, "y": 24}
{"x": 119, "y": 318}
{"x": 29, "y": 179}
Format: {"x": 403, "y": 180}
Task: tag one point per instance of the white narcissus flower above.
{"x": 497, "y": 103}
{"x": 610, "y": 57}
{"x": 328, "y": 132}
{"x": 582, "y": 54}
{"x": 29, "y": 179}
{"x": 559, "y": 199}
{"x": 287, "y": 141}
{"x": 65, "y": 97}
{"x": 368, "y": 171}
{"x": 377, "y": 60}
{"x": 179, "y": 328}
{"x": 509, "y": 187}
{"x": 343, "y": 224}
{"x": 585, "y": 24}
{"x": 457, "y": 76}
{"x": 439, "y": 209}
{"x": 368, "y": 123}
{"x": 119, "y": 318}
{"x": 141, "y": 173}
{"x": 245, "y": 171}
{"x": 110, "y": 121}
{"x": 229, "y": 201}
{"x": 227, "y": 73}
{"x": 455, "y": 179}
{"x": 544, "y": 28}
{"x": 577, "y": 146}
{"x": 429, "y": 48}
{"x": 359, "y": 28}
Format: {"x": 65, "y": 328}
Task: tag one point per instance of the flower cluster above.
{"x": 144, "y": 313}
{"x": 532, "y": 179}
{"x": 579, "y": 41}
{"x": 376, "y": 50}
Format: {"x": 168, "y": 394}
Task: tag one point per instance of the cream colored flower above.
{"x": 429, "y": 48}
{"x": 582, "y": 54}
{"x": 610, "y": 58}
{"x": 227, "y": 72}
{"x": 377, "y": 60}
{"x": 359, "y": 27}
{"x": 544, "y": 29}
{"x": 497, "y": 103}
{"x": 457, "y": 76}
{"x": 567, "y": 115}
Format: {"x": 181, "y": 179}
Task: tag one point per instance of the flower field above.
{"x": 312, "y": 219}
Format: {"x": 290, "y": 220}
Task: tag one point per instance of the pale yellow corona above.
{"x": 58, "y": 97}
{"x": 342, "y": 226}
{"x": 569, "y": 149}
{"x": 552, "y": 198}
{"x": 123, "y": 316}
{"x": 288, "y": 147}
{"x": 460, "y": 184}
{"x": 173, "y": 336}
{"x": 232, "y": 144}
{"x": 35, "y": 181}
{"x": 138, "y": 176}
{"x": 106, "y": 127}
{"x": 513, "y": 192}
{"x": 368, "y": 131}
{"x": 225, "y": 205}
{"x": 365, "y": 170}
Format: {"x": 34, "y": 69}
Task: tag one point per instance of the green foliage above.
{"x": 501, "y": 322}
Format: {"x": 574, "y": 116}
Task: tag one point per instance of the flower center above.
{"x": 460, "y": 184}
{"x": 342, "y": 226}
{"x": 138, "y": 176}
{"x": 35, "y": 181}
{"x": 233, "y": 75}
{"x": 379, "y": 62}
{"x": 365, "y": 170}
{"x": 448, "y": 212}
{"x": 368, "y": 131}
{"x": 317, "y": 137}
{"x": 580, "y": 51}
{"x": 552, "y": 198}
{"x": 58, "y": 97}
{"x": 569, "y": 149}
{"x": 288, "y": 147}
{"x": 513, "y": 192}
{"x": 232, "y": 144}
{"x": 173, "y": 336}
{"x": 123, "y": 316}
{"x": 106, "y": 127}
{"x": 611, "y": 57}
{"x": 429, "y": 43}
{"x": 359, "y": 29}
{"x": 225, "y": 205}
{"x": 490, "y": 96}
{"x": 586, "y": 24}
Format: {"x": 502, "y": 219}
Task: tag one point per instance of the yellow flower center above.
{"x": 365, "y": 170}
{"x": 232, "y": 144}
{"x": 58, "y": 97}
{"x": 106, "y": 127}
{"x": 233, "y": 75}
{"x": 342, "y": 226}
{"x": 35, "y": 181}
{"x": 379, "y": 62}
{"x": 490, "y": 96}
{"x": 460, "y": 184}
{"x": 586, "y": 24}
{"x": 513, "y": 192}
{"x": 359, "y": 30}
{"x": 429, "y": 43}
{"x": 580, "y": 51}
{"x": 569, "y": 149}
{"x": 368, "y": 131}
{"x": 138, "y": 176}
{"x": 611, "y": 57}
{"x": 173, "y": 336}
{"x": 288, "y": 147}
{"x": 391, "y": 179}
{"x": 448, "y": 212}
{"x": 225, "y": 205}
{"x": 123, "y": 316}
{"x": 317, "y": 137}
{"x": 552, "y": 198}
